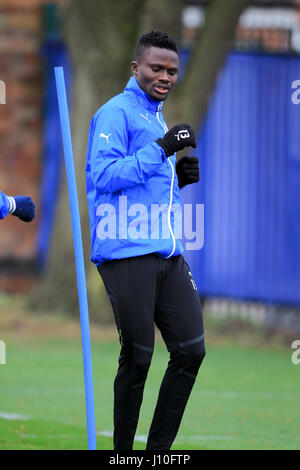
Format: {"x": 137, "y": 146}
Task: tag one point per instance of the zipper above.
{"x": 165, "y": 127}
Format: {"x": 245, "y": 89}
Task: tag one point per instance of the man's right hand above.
{"x": 177, "y": 138}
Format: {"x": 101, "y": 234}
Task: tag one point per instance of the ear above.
{"x": 134, "y": 67}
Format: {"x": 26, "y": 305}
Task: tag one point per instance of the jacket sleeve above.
{"x": 111, "y": 168}
{"x": 4, "y": 205}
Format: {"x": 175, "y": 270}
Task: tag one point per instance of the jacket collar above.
{"x": 144, "y": 98}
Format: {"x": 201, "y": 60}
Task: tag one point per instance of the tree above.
{"x": 102, "y": 37}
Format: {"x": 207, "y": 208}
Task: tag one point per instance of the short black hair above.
{"x": 155, "y": 39}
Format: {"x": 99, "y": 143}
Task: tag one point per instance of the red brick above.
{"x": 21, "y": 120}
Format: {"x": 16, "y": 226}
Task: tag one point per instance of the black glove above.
{"x": 187, "y": 169}
{"x": 177, "y": 138}
{"x": 24, "y": 208}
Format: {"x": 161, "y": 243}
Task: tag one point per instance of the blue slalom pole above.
{"x": 79, "y": 259}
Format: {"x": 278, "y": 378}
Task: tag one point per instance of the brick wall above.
{"x": 21, "y": 120}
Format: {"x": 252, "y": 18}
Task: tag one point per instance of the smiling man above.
{"x": 131, "y": 169}
{"x": 156, "y": 70}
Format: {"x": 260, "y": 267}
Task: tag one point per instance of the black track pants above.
{"x": 145, "y": 290}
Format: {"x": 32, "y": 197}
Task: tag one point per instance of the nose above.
{"x": 164, "y": 77}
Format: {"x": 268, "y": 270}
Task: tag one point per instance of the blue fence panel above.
{"x": 249, "y": 152}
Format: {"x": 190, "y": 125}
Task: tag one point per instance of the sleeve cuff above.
{"x": 11, "y": 205}
{"x": 161, "y": 151}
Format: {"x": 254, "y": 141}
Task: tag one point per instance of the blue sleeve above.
{"x": 4, "y": 205}
{"x": 111, "y": 168}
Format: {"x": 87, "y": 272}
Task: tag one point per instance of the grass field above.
{"x": 246, "y": 395}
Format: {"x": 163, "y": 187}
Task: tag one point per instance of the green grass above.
{"x": 244, "y": 397}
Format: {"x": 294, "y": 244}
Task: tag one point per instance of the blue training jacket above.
{"x": 132, "y": 188}
{"x": 4, "y": 205}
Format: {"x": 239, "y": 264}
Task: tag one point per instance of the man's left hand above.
{"x": 187, "y": 169}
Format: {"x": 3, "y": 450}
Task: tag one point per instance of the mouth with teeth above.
{"x": 161, "y": 89}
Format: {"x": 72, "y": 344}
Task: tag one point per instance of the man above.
{"x": 131, "y": 169}
{"x": 19, "y": 206}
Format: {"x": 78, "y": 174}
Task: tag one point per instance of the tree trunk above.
{"x": 163, "y": 15}
{"x": 212, "y": 47}
{"x": 101, "y": 37}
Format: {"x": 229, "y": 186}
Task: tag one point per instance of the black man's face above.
{"x": 156, "y": 72}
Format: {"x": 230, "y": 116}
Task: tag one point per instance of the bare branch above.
{"x": 208, "y": 57}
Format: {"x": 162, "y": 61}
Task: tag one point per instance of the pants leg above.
{"x": 178, "y": 316}
{"x": 131, "y": 285}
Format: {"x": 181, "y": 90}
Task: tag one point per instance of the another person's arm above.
{"x": 19, "y": 206}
